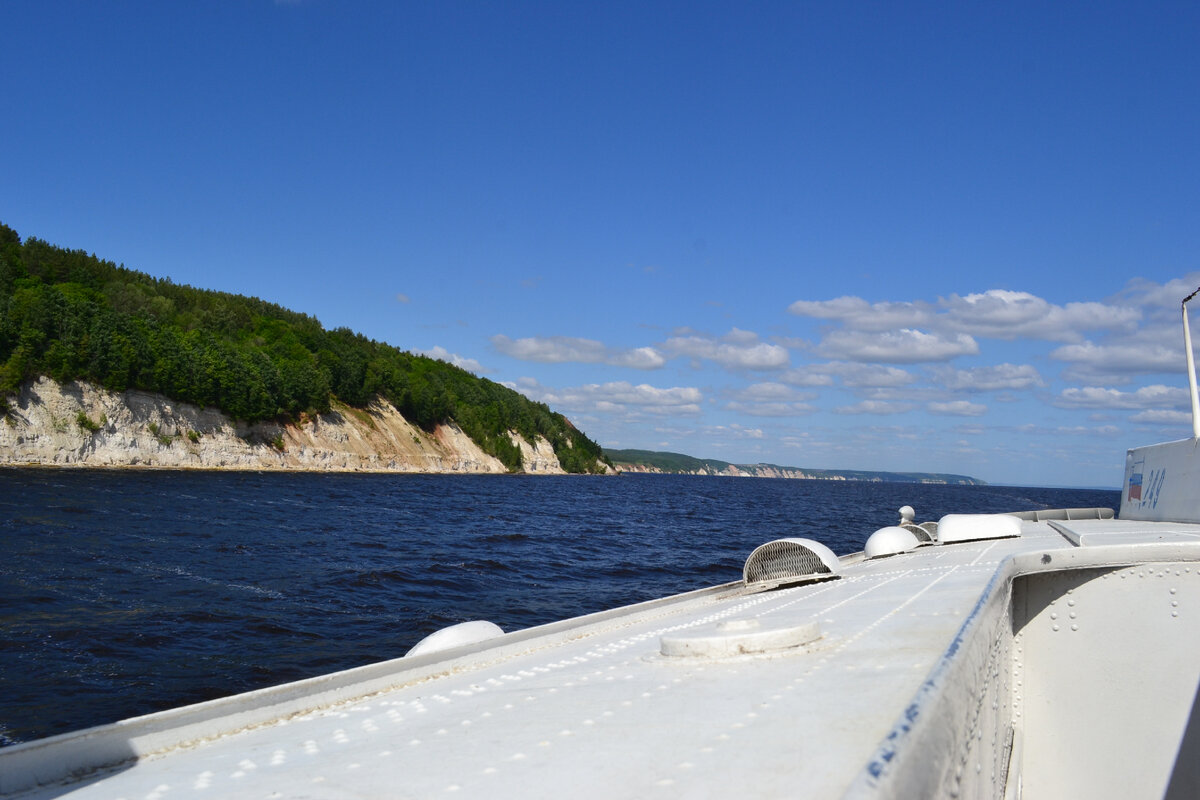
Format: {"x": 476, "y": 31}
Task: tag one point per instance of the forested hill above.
{"x": 72, "y": 316}
{"x": 677, "y": 463}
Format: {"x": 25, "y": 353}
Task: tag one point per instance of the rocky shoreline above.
{"x": 77, "y": 424}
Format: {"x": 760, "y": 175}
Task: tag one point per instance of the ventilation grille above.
{"x": 920, "y": 531}
{"x": 789, "y": 560}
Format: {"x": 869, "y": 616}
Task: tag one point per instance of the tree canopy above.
{"x": 72, "y": 316}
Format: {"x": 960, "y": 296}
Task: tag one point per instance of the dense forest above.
{"x": 72, "y": 316}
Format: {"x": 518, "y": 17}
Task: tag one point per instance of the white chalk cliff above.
{"x": 78, "y": 424}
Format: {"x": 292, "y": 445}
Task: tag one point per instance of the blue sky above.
{"x": 923, "y": 236}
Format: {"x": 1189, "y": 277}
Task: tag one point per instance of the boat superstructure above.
{"x": 1041, "y": 654}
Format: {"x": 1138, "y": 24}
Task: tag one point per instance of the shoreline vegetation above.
{"x": 85, "y": 323}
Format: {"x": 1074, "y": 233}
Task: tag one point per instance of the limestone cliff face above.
{"x": 736, "y": 471}
{"x": 78, "y": 424}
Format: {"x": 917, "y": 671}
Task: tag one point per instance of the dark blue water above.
{"x": 125, "y": 592}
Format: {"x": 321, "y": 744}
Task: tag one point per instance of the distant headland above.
{"x": 678, "y": 464}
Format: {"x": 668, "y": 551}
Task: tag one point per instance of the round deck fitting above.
{"x": 737, "y": 637}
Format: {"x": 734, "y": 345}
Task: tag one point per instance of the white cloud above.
{"x": 618, "y": 397}
{"x": 1130, "y": 356}
{"x": 771, "y": 400}
{"x": 875, "y": 407}
{"x": 870, "y": 376}
{"x": 1001, "y": 314}
{"x": 760, "y": 392}
{"x": 856, "y": 313}
{"x": 736, "y": 350}
{"x": 442, "y": 354}
{"x": 1159, "y": 302}
{"x": 905, "y": 346}
{"x": 1155, "y": 347}
{"x": 1157, "y": 396}
{"x": 739, "y": 336}
{"x": 1163, "y": 417}
{"x": 402, "y": 298}
{"x": 993, "y": 314}
{"x": 564, "y": 349}
{"x": 805, "y": 376}
{"x": 957, "y": 408}
{"x": 767, "y": 409}
{"x": 1083, "y": 430}
{"x": 988, "y": 379}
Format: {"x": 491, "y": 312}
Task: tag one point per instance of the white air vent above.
{"x": 975, "y": 527}
{"x": 890, "y": 541}
{"x": 790, "y": 561}
{"x": 478, "y": 630}
{"x": 920, "y": 531}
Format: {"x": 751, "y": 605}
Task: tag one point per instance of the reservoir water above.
{"x": 124, "y": 592}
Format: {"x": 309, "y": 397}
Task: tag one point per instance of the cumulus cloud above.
{"x": 442, "y": 354}
{"x": 772, "y": 409}
{"x": 738, "y": 349}
{"x": 1001, "y": 314}
{"x": 771, "y": 400}
{"x": 993, "y": 314}
{"x": 1002, "y": 377}
{"x": 1159, "y": 301}
{"x": 1147, "y": 397}
{"x": 758, "y": 392}
{"x": 904, "y": 346}
{"x": 739, "y": 336}
{"x": 957, "y": 408}
{"x": 856, "y": 313}
{"x": 1130, "y": 357}
{"x": 565, "y": 349}
{"x": 617, "y": 397}
{"x": 1083, "y": 430}
{"x": 805, "y": 376}
{"x": 1163, "y": 416}
{"x": 875, "y": 407}
{"x": 867, "y": 376}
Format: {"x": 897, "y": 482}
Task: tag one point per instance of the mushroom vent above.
{"x": 790, "y": 561}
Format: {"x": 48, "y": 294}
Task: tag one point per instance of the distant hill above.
{"x": 680, "y": 464}
{"x": 70, "y": 316}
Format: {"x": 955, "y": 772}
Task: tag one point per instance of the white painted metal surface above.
{"x": 1162, "y": 481}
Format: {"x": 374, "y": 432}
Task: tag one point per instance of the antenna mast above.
{"x": 1191, "y": 365}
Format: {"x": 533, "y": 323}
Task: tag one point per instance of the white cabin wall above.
{"x": 1106, "y": 668}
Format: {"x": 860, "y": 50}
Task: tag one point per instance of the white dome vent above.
{"x": 890, "y": 541}
{"x": 472, "y": 632}
{"x": 790, "y": 561}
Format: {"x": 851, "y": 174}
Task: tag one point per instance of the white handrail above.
{"x": 1191, "y": 365}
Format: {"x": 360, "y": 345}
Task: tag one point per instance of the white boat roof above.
{"x": 593, "y": 708}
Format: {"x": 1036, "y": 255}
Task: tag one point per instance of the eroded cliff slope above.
{"x": 79, "y": 424}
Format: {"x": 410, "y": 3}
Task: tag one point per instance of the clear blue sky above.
{"x": 903, "y": 236}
